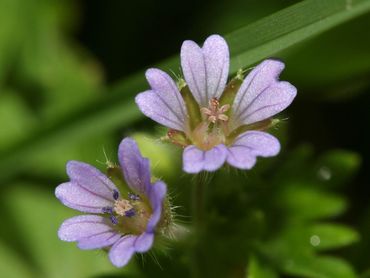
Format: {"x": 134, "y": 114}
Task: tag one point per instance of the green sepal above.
{"x": 192, "y": 107}
{"x": 115, "y": 174}
{"x": 177, "y": 137}
{"x": 261, "y": 125}
{"x": 166, "y": 221}
{"x": 230, "y": 91}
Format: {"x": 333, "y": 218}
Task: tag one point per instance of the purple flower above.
{"x": 123, "y": 215}
{"x": 214, "y": 121}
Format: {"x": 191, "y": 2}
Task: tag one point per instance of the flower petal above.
{"x": 205, "y": 69}
{"x": 164, "y": 103}
{"x": 247, "y": 146}
{"x": 135, "y": 167}
{"x": 144, "y": 242}
{"x": 99, "y": 240}
{"x": 261, "y": 94}
{"x": 83, "y": 227}
{"x": 122, "y": 251}
{"x": 75, "y": 196}
{"x": 196, "y": 160}
{"x": 156, "y": 198}
{"x": 91, "y": 179}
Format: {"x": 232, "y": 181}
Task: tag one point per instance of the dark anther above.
{"x": 113, "y": 219}
{"x": 115, "y": 194}
{"x": 130, "y": 213}
{"x": 133, "y": 197}
{"x": 107, "y": 210}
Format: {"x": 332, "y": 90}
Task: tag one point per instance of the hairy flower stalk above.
{"x": 216, "y": 121}
{"x": 126, "y": 210}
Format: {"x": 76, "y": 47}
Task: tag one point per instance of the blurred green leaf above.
{"x": 164, "y": 159}
{"x": 11, "y": 266}
{"x": 51, "y": 162}
{"x": 329, "y": 236}
{"x": 293, "y": 252}
{"x": 15, "y": 118}
{"x": 336, "y": 167}
{"x": 320, "y": 267}
{"x": 306, "y": 202}
{"x": 257, "y": 269}
{"x": 248, "y": 45}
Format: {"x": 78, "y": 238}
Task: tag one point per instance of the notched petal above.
{"x": 196, "y": 160}
{"x": 156, "y": 198}
{"x": 206, "y": 69}
{"x": 144, "y": 242}
{"x": 164, "y": 103}
{"x": 135, "y": 168}
{"x": 78, "y": 197}
{"x": 99, "y": 240}
{"x": 122, "y": 251}
{"x": 83, "y": 226}
{"x": 249, "y": 145}
{"x": 262, "y": 95}
{"x": 91, "y": 179}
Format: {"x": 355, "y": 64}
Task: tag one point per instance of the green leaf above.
{"x": 11, "y": 266}
{"x": 319, "y": 267}
{"x": 303, "y": 202}
{"x": 248, "y": 45}
{"x": 164, "y": 160}
{"x": 329, "y": 236}
{"x": 15, "y": 118}
{"x": 258, "y": 269}
{"x": 336, "y": 167}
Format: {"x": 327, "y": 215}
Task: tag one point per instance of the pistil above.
{"x": 214, "y": 113}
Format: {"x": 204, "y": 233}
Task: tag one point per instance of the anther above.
{"x": 113, "y": 219}
{"x": 115, "y": 194}
{"x": 122, "y": 206}
{"x": 215, "y": 113}
{"x": 133, "y": 196}
{"x": 107, "y": 210}
{"x": 130, "y": 213}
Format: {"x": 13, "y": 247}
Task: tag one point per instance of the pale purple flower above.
{"x": 214, "y": 121}
{"x": 123, "y": 216}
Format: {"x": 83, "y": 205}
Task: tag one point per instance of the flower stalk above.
{"x": 199, "y": 198}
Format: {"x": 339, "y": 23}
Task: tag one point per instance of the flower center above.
{"x": 131, "y": 215}
{"x": 211, "y": 130}
{"x": 214, "y": 113}
{"x": 210, "y": 126}
{"x": 122, "y": 207}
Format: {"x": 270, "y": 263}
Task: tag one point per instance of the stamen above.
{"x": 113, "y": 219}
{"x": 107, "y": 210}
{"x": 214, "y": 103}
{"x": 133, "y": 197}
{"x": 122, "y": 206}
{"x": 130, "y": 213}
{"x": 215, "y": 113}
{"x": 115, "y": 194}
